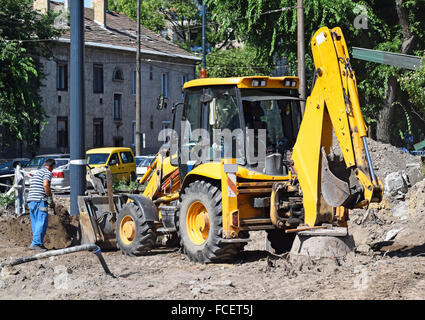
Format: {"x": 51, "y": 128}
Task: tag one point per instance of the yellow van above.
{"x": 119, "y": 159}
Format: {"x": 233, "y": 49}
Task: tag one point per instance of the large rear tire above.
{"x": 199, "y": 225}
{"x": 135, "y": 236}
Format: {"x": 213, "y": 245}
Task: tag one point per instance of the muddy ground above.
{"x": 396, "y": 272}
{"x": 388, "y": 261}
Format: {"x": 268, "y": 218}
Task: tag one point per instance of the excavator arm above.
{"x": 333, "y": 108}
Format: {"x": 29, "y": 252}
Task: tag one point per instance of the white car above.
{"x": 143, "y": 163}
{"x": 31, "y": 167}
{"x": 60, "y": 175}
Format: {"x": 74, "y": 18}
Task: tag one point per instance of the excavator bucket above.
{"x": 335, "y": 191}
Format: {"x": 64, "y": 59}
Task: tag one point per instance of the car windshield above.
{"x": 35, "y": 162}
{"x": 97, "y": 158}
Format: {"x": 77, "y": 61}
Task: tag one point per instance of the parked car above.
{"x": 143, "y": 165}
{"x": 35, "y": 163}
{"x": 60, "y": 175}
{"x": 6, "y": 168}
{"x": 120, "y": 160}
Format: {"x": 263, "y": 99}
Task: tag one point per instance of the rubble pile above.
{"x": 397, "y": 221}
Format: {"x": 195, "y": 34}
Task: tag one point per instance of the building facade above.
{"x": 110, "y": 82}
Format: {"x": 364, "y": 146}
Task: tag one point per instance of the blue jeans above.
{"x": 39, "y": 221}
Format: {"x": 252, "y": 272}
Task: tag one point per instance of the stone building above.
{"x": 110, "y": 74}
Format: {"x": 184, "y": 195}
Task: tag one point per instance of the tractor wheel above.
{"x": 199, "y": 225}
{"x": 278, "y": 242}
{"x": 134, "y": 235}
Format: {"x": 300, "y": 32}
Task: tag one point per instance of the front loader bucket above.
{"x": 97, "y": 222}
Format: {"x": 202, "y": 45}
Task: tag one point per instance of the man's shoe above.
{"x": 38, "y": 248}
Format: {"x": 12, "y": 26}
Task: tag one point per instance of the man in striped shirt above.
{"x": 39, "y": 198}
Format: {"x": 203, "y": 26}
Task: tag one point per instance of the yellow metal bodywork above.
{"x": 242, "y": 82}
{"x": 333, "y": 104}
{"x": 332, "y": 107}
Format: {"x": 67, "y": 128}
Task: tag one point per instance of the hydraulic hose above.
{"x": 51, "y": 253}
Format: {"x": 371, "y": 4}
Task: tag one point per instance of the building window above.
{"x": 150, "y": 73}
{"x": 164, "y": 85}
{"x": 97, "y": 132}
{"x": 62, "y": 76}
{"x": 117, "y": 106}
{"x": 62, "y": 132}
{"x": 133, "y": 84}
{"x": 117, "y": 75}
{"x": 97, "y": 78}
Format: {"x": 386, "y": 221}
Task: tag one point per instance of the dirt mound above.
{"x": 61, "y": 232}
{"x": 387, "y": 159}
{"x": 397, "y": 221}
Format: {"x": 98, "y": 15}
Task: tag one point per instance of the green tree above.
{"x": 150, "y": 15}
{"x": 413, "y": 83}
{"x": 235, "y": 62}
{"x": 181, "y": 15}
{"x": 21, "y": 72}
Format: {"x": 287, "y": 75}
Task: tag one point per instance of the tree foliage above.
{"x": 235, "y": 62}
{"x": 181, "y": 15}
{"x": 413, "y": 83}
{"x": 150, "y": 15}
{"x": 21, "y": 111}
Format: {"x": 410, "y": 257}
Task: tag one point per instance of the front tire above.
{"x": 199, "y": 225}
{"x": 135, "y": 236}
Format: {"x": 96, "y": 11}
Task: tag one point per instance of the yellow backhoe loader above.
{"x": 246, "y": 159}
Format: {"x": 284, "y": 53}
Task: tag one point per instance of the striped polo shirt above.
{"x": 36, "y": 192}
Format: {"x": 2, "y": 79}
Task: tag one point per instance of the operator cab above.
{"x": 253, "y": 119}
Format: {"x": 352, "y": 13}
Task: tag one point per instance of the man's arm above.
{"x": 46, "y": 185}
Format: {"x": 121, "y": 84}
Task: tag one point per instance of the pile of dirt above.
{"x": 387, "y": 159}
{"x": 62, "y": 230}
{"x": 397, "y": 223}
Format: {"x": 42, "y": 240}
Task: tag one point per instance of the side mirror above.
{"x": 162, "y": 102}
{"x": 112, "y": 162}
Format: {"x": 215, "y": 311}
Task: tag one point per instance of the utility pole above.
{"x": 203, "y": 73}
{"x": 77, "y": 119}
{"x": 301, "y": 52}
{"x": 138, "y": 83}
